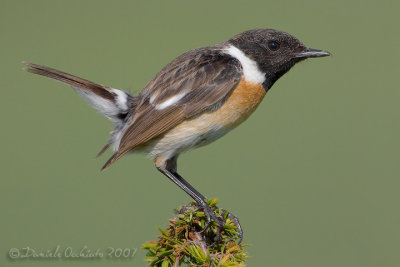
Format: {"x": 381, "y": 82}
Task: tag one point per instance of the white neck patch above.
{"x": 250, "y": 68}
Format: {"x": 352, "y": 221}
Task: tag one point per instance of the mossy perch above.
{"x": 182, "y": 244}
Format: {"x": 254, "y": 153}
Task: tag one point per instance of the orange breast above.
{"x": 241, "y": 103}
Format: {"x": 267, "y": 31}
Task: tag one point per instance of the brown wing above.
{"x": 207, "y": 76}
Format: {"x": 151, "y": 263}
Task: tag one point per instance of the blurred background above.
{"x": 313, "y": 174}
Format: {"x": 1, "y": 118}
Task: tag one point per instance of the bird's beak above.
{"x": 310, "y": 52}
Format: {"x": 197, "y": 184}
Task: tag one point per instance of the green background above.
{"x": 313, "y": 174}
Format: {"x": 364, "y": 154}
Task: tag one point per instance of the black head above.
{"x": 274, "y": 51}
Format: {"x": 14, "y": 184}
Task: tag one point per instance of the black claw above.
{"x": 236, "y": 221}
{"x": 206, "y": 225}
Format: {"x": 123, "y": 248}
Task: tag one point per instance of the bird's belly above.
{"x": 210, "y": 125}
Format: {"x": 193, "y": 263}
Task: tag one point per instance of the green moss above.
{"x": 181, "y": 244}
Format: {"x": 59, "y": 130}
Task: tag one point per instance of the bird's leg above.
{"x": 210, "y": 214}
{"x": 199, "y": 198}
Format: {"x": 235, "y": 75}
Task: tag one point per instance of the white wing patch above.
{"x": 250, "y": 68}
{"x": 152, "y": 98}
{"x": 170, "y": 101}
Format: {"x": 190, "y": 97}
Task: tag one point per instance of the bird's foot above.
{"x": 210, "y": 215}
{"x": 219, "y": 220}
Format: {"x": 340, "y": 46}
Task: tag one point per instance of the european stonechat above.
{"x": 194, "y": 100}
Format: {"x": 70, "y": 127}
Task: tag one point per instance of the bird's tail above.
{"x": 113, "y": 103}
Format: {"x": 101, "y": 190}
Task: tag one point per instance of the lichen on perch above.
{"x": 182, "y": 243}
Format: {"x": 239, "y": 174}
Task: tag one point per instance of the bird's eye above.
{"x": 273, "y": 45}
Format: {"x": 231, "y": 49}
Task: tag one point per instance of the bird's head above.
{"x": 275, "y": 52}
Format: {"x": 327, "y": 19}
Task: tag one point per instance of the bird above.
{"x": 195, "y": 99}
